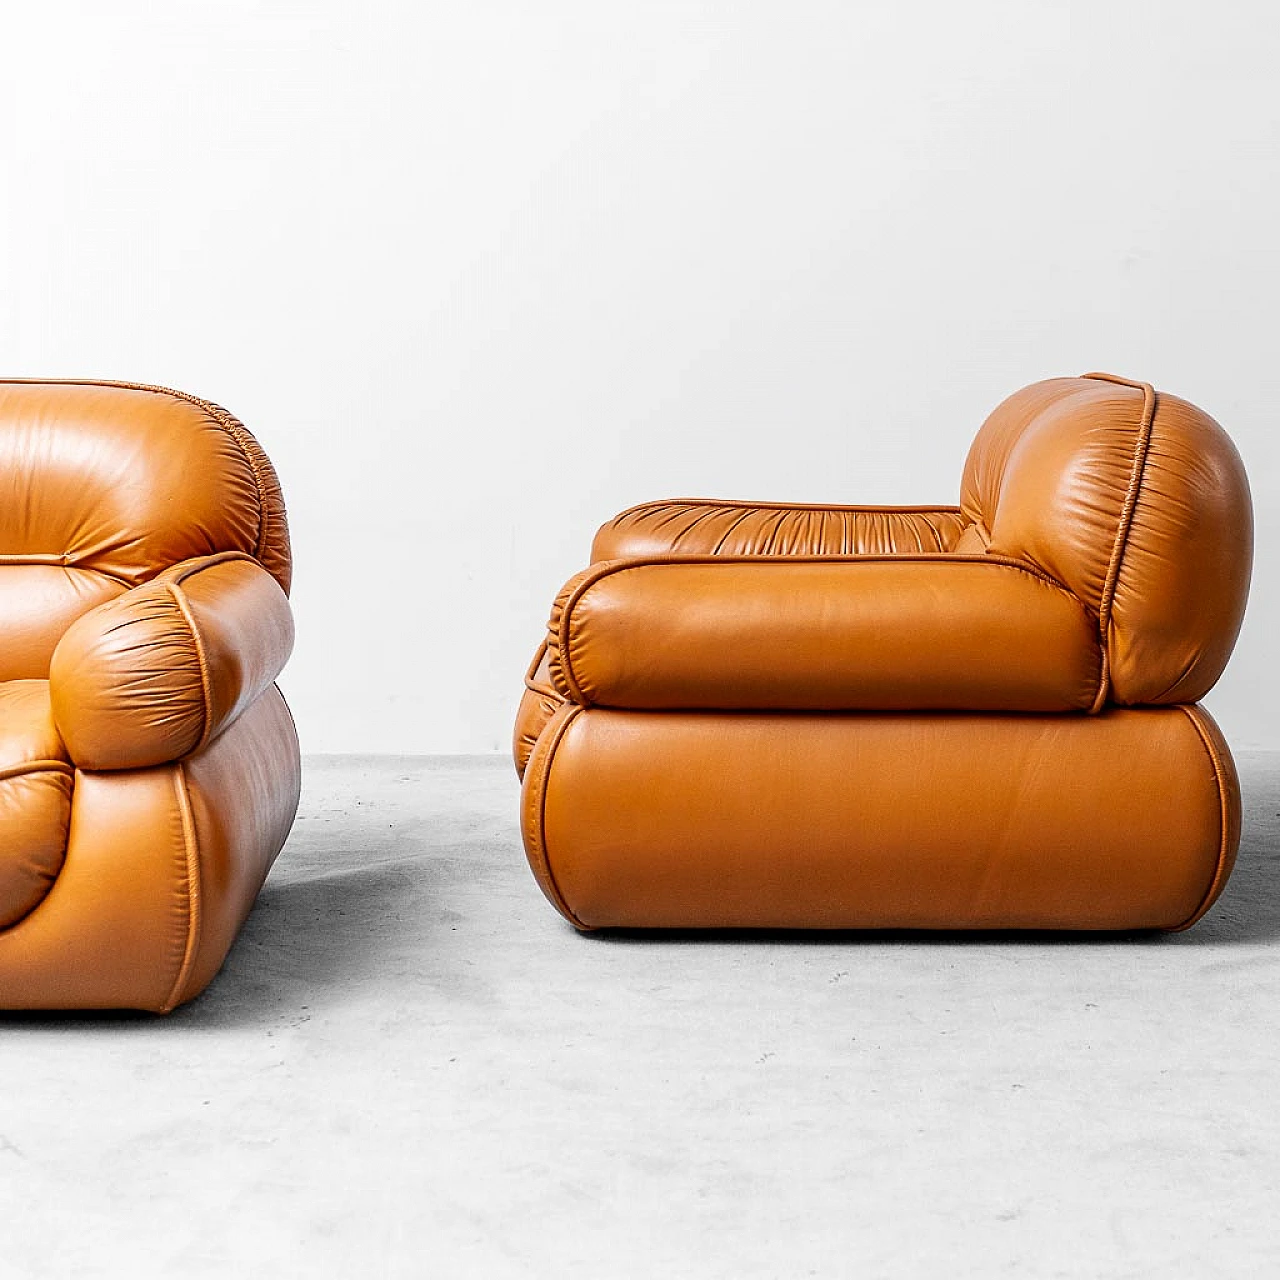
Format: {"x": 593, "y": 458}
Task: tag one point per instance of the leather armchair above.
{"x": 149, "y": 768}
{"x": 983, "y": 716}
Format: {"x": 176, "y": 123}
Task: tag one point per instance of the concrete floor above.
{"x": 411, "y": 1067}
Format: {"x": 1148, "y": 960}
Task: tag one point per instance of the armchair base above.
{"x": 1120, "y": 821}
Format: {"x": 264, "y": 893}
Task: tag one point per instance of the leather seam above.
{"x": 547, "y": 690}
{"x": 206, "y": 687}
{"x": 194, "y": 913}
{"x": 541, "y": 781}
{"x": 199, "y": 564}
{"x": 1217, "y": 881}
{"x": 35, "y": 766}
{"x": 1141, "y": 449}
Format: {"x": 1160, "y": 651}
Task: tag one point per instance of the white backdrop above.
{"x": 480, "y": 274}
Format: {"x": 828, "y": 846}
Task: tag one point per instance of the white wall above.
{"x": 479, "y": 274}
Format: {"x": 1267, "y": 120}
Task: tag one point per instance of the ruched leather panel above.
{"x": 127, "y": 480}
{"x": 35, "y": 798}
{"x": 1125, "y": 820}
{"x": 699, "y": 526}
{"x": 159, "y": 672}
{"x": 895, "y": 633}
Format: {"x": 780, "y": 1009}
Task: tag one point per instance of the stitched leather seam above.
{"x": 532, "y": 669}
{"x": 530, "y": 681}
{"x": 194, "y": 913}
{"x": 220, "y": 416}
{"x": 1141, "y": 448}
{"x": 201, "y": 563}
{"x": 206, "y": 687}
{"x": 540, "y": 780}
{"x": 35, "y": 766}
{"x": 611, "y": 567}
{"x": 1219, "y": 871}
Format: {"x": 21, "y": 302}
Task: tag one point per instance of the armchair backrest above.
{"x": 105, "y": 485}
{"x": 1136, "y": 501}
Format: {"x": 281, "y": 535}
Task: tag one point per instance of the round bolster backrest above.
{"x": 103, "y": 486}
{"x": 1136, "y": 501}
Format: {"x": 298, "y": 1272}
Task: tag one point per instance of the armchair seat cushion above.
{"x": 35, "y": 798}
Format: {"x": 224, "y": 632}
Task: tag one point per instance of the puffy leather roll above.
{"x": 157, "y": 673}
{"x": 891, "y": 633}
{"x": 1125, "y": 820}
{"x": 162, "y": 866}
{"x": 703, "y": 526}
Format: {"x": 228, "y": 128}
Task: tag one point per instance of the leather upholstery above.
{"x": 160, "y": 671}
{"x": 710, "y": 733}
{"x": 692, "y": 526}
{"x": 901, "y": 633}
{"x": 151, "y": 766}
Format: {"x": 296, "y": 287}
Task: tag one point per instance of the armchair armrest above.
{"x": 889, "y": 633}
{"x": 703, "y": 526}
{"x": 160, "y": 671}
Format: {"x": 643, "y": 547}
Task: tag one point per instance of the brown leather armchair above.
{"x": 149, "y": 768}
{"x": 984, "y": 716}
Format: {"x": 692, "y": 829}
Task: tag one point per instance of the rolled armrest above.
{"x": 821, "y": 634}
{"x": 702, "y": 526}
{"x": 160, "y": 671}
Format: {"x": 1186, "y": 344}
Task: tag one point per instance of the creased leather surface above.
{"x": 898, "y": 633}
{"x": 156, "y": 673}
{"x": 683, "y": 820}
{"x": 128, "y": 480}
{"x": 701, "y": 526}
{"x": 1048, "y": 477}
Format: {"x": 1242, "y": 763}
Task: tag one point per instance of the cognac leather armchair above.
{"x": 149, "y": 768}
{"x": 983, "y": 716}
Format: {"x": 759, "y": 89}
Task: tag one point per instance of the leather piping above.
{"x": 531, "y": 683}
{"x": 35, "y": 766}
{"x": 1220, "y": 869}
{"x": 235, "y": 429}
{"x": 1140, "y": 450}
{"x": 206, "y": 685}
{"x": 192, "y": 878}
{"x": 609, "y": 567}
{"x": 536, "y": 781}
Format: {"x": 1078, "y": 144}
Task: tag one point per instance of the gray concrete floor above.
{"x": 411, "y": 1067}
